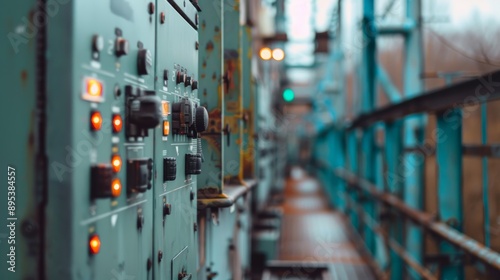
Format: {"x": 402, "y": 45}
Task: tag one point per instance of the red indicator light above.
{"x": 94, "y": 244}
{"x": 117, "y": 123}
{"x": 96, "y": 120}
{"x": 116, "y": 162}
{"x": 116, "y": 187}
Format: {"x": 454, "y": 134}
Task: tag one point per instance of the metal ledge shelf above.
{"x": 226, "y": 199}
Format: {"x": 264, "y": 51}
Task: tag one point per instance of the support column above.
{"x": 368, "y": 102}
{"x": 449, "y": 161}
{"x": 414, "y": 127}
{"x": 394, "y": 179}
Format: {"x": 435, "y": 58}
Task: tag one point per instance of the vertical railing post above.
{"x": 352, "y": 155}
{"x": 368, "y": 103}
{"x": 449, "y": 162}
{"x": 340, "y": 162}
{"x": 394, "y": 181}
{"x": 414, "y": 127}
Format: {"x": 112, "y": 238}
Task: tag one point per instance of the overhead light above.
{"x": 265, "y": 53}
{"x": 278, "y": 54}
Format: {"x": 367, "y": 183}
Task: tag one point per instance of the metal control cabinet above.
{"x": 113, "y": 44}
{"x": 175, "y": 225}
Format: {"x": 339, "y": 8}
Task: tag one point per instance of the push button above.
{"x": 121, "y": 47}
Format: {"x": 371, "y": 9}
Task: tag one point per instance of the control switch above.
{"x": 101, "y": 179}
{"x": 182, "y": 116}
{"x": 139, "y": 175}
{"x": 169, "y": 169}
{"x": 143, "y": 111}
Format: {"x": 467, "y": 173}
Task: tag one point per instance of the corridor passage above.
{"x": 313, "y": 233}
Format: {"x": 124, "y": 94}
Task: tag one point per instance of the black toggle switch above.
{"x": 139, "y": 175}
{"x": 169, "y": 169}
{"x": 179, "y": 78}
{"x": 101, "y": 177}
{"x": 97, "y": 43}
{"x": 165, "y": 77}
{"x": 167, "y": 209}
{"x": 182, "y": 116}
{"x": 193, "y": 164}
{"x": 121, "y": 46}
{"x": 187, "y": 80}
{"x": 144, "y": 62}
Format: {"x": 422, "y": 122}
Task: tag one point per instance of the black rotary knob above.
{"x": 201, "y": 119}
{"x": 144, "y": 62}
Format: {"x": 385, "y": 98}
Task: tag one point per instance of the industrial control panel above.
{"x": 128, "y": 173}
{"x": 141, "y": 125}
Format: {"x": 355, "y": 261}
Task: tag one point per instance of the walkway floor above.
{"x": 314, "y": 233}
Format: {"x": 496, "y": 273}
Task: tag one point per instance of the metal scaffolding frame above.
{"x": 381, "y": 189}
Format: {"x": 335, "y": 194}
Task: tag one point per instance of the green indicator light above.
{"x": 288, "y": 95}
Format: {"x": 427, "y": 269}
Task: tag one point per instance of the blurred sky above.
{"x": 446, "y": 17}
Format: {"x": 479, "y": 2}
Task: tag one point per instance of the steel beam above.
{"x": 472, "y": 92}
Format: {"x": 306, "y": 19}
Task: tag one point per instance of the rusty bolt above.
{"x": 149, "y": 264}
{"x": 162, "y": 17}
{"x": 160, "y": 256}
